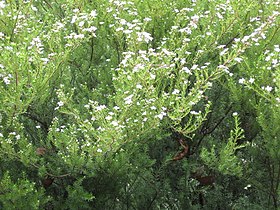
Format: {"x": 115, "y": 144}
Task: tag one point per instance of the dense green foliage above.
{"x": 138, "y": 104}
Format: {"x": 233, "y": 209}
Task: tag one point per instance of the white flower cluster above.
{"x": 2, "y": 6}
{"x": 37, "y": 44}
{"x": 144, "y": 36}
{"x": 5, "y": 77}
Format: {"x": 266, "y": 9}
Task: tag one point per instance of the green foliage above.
{"x": 129, "y": 104}
{"x": 77, "y": 196}
{"x": 21, "y": 194}
{"x": 226, "y": 161}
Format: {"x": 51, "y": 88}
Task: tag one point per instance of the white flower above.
{"x": 185, "y": 30}
{"x": 138, "y": 67}
{"x": 128, "y": 99}
{"x": 93, "y": 13}
{"x": 238, "y": 60}
{"x": 219, "y": 15}
{"x": 221, "y": 46}
{"x": 138, "y": 86}
{"x": 60, "y": 103}
{"x": 115, "y": 123}
{"x": 2, "y": 4}
{"x": 187, "y": 70}
{"x": 161, "y": 115}
{"x": 251, "y": 80}
{"x": 76, "y": 10}
{"x": 165, "y": 51}
{"x": 34, "y": 8}
{"x": 116, "y": 107}
{"x": 194, "y": 67}
{"x": 241, "y": 81}
{"x": 225, "y": 68}
{"x": 45, "y": 60}
{"x": 268, "y": 88}
{"x": 175, "y": 91}
{"x": 248, "y": 186}
{"x": 267, "y": 58}
{"x": 195, "y": 18}
{"x": 79, "y": 36}
{"x": 274, "y": 61}
{"x": 223, "y": 52}
{"x": 276, "y": 48}
{"x": 74, "y": 18}
{"x": 99, "y": 150}
{"x": 81, "y": 24}
{"x": 234, "y": 114}
{"x": 6, "y": 80}
{"x": 144, "y": 36}
{"x": 193, "y": 24}
{"x": 1, "y": 35}
{"x": 245, "y": 39}
{"x": 123, "y": 22}
{"x": 119, "y": 29}
{"x": 59, "y": 25}
{"x": 147, "y": 19}
{"x": 152, "y": 76}
{"x": 108, "y": 117}
{"x": 194, "y": 112}
{"x": 101, "y": 107}
{"x": 237, "y": 40}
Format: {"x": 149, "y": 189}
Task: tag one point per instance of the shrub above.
{"x": 139, "y": 105}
